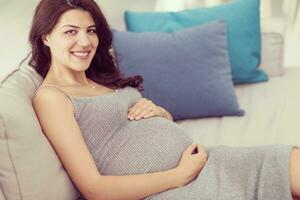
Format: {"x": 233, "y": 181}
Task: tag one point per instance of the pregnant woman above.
{"x": 115, "y": 144}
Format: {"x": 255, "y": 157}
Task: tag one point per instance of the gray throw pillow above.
{"x": 187, "y": 72}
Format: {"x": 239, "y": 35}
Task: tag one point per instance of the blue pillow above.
{"x": 242, "y": 17}
{"x": 187, "y": 72}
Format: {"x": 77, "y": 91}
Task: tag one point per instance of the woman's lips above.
{"x": 81, "y": 54}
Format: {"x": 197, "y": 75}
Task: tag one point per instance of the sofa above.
{"x": 30, "y": 168}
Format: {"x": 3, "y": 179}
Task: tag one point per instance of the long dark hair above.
{"x": 102, "y": 69}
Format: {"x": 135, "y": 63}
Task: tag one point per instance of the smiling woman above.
{"x": 73, "y": 35}
{"x": 72, "y": 45}
{"x": 115, "y": 144}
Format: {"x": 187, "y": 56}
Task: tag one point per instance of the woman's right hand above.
{"x": 191, "y": 163}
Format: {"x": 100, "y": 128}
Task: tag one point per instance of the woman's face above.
{"x": 73, "y": 41}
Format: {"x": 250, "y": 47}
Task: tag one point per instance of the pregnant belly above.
{"x": 151, "y": 145}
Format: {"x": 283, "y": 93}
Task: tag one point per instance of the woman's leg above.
{"x": 295, "y": 172}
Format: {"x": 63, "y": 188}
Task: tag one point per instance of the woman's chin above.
{"x": 80, "y": 66}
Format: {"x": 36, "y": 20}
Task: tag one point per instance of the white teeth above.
{"x": 80, "y": 54}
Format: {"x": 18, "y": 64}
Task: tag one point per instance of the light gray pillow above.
{"x": 29, "y": 166}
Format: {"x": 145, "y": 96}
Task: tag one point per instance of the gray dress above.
{"x": 123, "y": 147}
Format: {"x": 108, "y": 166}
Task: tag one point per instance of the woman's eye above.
{"x": 92, "y": 31}
{"x": 71, "y": 32}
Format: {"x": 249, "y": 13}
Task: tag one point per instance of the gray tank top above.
{"x": 120, "y": 146}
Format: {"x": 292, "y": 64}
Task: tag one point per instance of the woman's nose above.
{"x": 83, "y": 40}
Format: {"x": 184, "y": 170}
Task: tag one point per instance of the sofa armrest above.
{"x": 272, "y": 54}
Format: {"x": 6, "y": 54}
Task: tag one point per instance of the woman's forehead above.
{"x": 76, "y": 17}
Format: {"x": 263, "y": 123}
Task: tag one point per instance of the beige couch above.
{"x": 30, "y": 169}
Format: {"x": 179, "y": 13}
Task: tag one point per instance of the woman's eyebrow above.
{"x": 73, "y": 26}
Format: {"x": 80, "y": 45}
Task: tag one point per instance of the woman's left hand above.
{"x": 144, "y": 108}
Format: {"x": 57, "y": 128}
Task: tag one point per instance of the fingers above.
{"x": 189, "y": 150}
{"x": 202, "y": 152}
{"x": 200, "y": 147}
{"x": 136, "y": 109}
{"x": 137, "y": 105}
{"x": 147, "y": 112}
{"x": 195, "y": 150}
{"x": 144, "y": 108}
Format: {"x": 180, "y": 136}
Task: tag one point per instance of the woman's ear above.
{"x": 45, "y": 40}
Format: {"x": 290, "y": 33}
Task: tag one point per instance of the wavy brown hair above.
{"x": 102, "y": 69}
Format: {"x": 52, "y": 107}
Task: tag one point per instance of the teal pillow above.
{"x": 244, "y": 42}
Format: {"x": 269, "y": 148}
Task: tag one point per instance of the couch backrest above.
{"x": 29, "y": 167}
{"x": 272, "y": 47}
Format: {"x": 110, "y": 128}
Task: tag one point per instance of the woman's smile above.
{"x": 82, "y": 55}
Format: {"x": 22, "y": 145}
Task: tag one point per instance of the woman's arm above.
{"x": 56, "y": 115}
{"x": 134, "y": 186}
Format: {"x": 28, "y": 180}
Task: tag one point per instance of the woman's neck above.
{"x": 66, "y": 77}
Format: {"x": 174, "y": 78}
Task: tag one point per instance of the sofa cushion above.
{"x": 244, "y": 40}
{"x": 272, "y": 116}
{"x": 1, "y": 195}
{"x": 186, "y": 72}
{"x": 8, "y": 177}
{"x": 29, "y": 167}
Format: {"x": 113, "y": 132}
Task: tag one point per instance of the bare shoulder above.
{"x": 52, "y": 97}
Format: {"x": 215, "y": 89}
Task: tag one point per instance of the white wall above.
{"x": 15, "y": 18}
{"x": 114, "y": 9}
